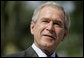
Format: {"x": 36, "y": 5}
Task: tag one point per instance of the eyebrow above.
{"x": 45, "y": 19}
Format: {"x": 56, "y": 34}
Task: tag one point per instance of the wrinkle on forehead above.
{"x": 52, "y": 13}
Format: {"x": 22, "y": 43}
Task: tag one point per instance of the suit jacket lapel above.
{"x": 30, "y": 53}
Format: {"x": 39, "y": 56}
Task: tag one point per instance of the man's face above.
{"x": 48, "y": 30}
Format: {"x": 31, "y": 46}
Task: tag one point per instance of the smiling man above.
{"x": 49, "y": 26}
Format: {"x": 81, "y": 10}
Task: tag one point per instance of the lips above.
{"x": 50, "y": 36}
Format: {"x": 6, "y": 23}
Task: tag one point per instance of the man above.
{"x": 49, "y": 26}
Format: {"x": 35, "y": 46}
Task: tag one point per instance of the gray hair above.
{"x": 54, "y": 5}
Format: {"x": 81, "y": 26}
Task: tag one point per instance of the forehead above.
{"x": 51, "y": 12}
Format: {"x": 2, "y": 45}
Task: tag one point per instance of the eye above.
{"x": 56, "y": 23}
{"x": 45, "y": 21}
{"x": 59, "y": 24}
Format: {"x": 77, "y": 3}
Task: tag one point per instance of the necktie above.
{"x": 48, "y": 56}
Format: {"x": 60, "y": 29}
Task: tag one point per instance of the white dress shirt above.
{"x": 39, "y": 52}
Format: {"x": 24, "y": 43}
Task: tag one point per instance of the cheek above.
{"x": 38, "y": 33}
{"x": 59, "y": 36}
{"x": 41, "y": 28}
{"x": 38, "y": 30}
{"x": 59, "y": 33}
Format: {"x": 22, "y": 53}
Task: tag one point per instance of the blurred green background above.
{"x": 15, "y": 27}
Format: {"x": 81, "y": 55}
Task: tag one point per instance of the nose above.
{"x": 50, "y": 27}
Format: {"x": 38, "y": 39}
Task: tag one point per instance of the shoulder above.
{"x": 29, "y": 52}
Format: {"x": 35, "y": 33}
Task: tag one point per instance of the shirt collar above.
{"x": 39, "y": 52}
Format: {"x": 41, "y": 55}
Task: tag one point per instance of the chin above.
{"x": 47, "y": 44}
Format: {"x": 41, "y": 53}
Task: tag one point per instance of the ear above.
{"x": 32, "y": 27}
{"x": 65, "y": 34}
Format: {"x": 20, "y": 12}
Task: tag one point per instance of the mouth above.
{"x": 50, "y": 36}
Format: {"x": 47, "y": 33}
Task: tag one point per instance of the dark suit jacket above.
{"x": 27, "y": 53}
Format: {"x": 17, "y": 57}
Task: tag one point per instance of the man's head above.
{"x": 50, "y": 25}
